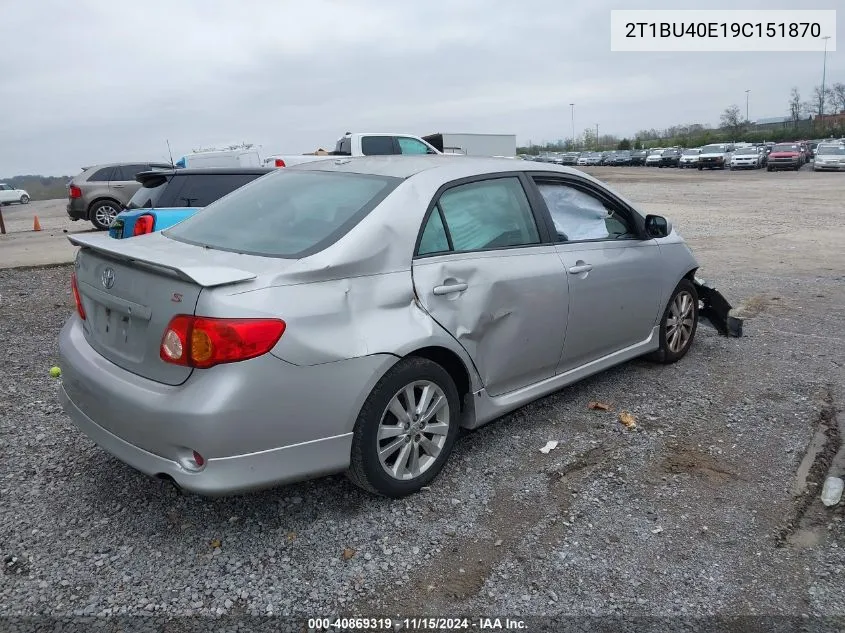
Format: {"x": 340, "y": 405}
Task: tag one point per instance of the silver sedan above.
{"x": 352, "y": 314}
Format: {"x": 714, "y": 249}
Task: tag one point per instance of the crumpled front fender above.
{"x": 716, "y": 309}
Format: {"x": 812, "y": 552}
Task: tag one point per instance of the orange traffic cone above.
{"x": 36, "y": 225}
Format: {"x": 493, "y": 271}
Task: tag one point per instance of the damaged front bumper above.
{"x": 716, "y": 309}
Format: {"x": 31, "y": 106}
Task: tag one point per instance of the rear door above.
{"x": 484, "y": 270}
{"x": 378, "y": 145}
{"x": 614, "y": 274}
{"x": 123, "y": 184}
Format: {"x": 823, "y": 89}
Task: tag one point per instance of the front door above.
{"x": 614, "y": 274}
{"x": 483, "y": 274}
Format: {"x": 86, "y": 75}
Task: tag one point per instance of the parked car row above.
{"x": 826, "y": 155}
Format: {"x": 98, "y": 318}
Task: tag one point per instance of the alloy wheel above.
{"x": 413, "y": 430}
{"x": 679, "y": 324}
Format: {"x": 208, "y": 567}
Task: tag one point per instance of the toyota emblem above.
{"x": 107, "y": 278}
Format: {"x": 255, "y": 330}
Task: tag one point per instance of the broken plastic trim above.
{"x": 716, "y": 309}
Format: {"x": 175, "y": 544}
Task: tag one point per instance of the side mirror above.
{"x": 657, "y": 226}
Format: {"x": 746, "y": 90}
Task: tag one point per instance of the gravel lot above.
{"x": 698, "y": 511}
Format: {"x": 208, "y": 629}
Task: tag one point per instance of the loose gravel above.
{"x": 690, "y": 513}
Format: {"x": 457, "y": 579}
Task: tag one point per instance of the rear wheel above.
{"x": 103, "y": 214}
{"x": 679, "y": 323}
{"x": 406, "y": 429}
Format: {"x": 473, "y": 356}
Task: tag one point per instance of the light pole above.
{"x": 824, "y": 72}
{"x": 572, "y": 111}
{"x": 747, "y": 120}
{"x": 597, "y": 135}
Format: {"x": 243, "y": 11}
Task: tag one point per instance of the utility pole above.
{"x": 597, "y": 135}
{"x": 824, "y": 72}
{"x": 572, "y": 114}
{"x": 747, "y": 120}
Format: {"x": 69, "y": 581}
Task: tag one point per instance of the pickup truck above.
{"x": 360, "y": 144}
{"x": 786, "y": 156}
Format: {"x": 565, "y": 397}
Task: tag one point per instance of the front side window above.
{"x": 377, "y": 145}
{"x": 487, "y": 214}
{"x": 578, "y": 215}
{"x": 288, "y": 214}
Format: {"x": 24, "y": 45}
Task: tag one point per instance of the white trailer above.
{"x": 474, "y": 144}
{"x": 230, "y": 157}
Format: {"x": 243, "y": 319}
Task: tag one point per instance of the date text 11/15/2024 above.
{"x": 417, "y": 624}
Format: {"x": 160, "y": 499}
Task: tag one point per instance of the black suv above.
{"x": 638, "y": 157}
{"x": 168, "y": 191}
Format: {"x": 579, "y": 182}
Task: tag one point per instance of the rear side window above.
{"x": 200, "y": 190}
{"x": 287, "y": 214}
{"x": 481, "y": 215}
{"x": 411, "y": 145}
{"x": 101, "y": 175}
{"x": 127, "y": 173}
{"x": 377, "y": 145}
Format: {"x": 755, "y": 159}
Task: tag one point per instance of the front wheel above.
{"x": 24, "y": 199}
{"x": 406, "y": 429}
{"x": 679, "y": 323}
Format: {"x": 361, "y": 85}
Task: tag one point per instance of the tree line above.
{"x": 733, "y": 127}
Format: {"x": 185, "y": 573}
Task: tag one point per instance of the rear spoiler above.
{"x": 139, "y": 250}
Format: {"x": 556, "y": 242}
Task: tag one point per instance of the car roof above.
{"x": 406, "y": 166}
{"x": 128, "y": 162}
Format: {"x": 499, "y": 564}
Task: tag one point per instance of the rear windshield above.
{"x": 287, "y": 214}
{"x": 147, "y": 196}
{"x": 200, "y": 190}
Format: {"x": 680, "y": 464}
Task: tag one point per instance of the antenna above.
{"x": 169, "y": 152}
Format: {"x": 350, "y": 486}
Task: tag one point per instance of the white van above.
{"x": 221, "y": 158}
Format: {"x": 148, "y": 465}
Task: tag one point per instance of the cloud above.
{"x": 90, "y": 82}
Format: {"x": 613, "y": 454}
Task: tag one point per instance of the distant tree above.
{"x": 624, "y": 144}
{"x": 837, "y": 93}
{"x": 795, "y": 105}
{"x": 588, "y": 140}
{"x": 731, "y": 120}
{"x": 823, "y": 100}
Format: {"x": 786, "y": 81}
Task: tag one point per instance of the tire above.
{"x": 769, "y": 169}
{"x": 24, "y": 199}
{"x": 102, "y": 214}
{"x": 668, "y": 353}
{"x": 700, "y": 168}
{"x": 370, "y": 471}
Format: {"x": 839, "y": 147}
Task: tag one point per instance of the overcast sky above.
{"x": 90, "y": 81}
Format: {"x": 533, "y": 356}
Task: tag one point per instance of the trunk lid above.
{"x": 131, "y": 289}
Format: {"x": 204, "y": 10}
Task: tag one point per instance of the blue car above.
{"x": 170, "y": 196}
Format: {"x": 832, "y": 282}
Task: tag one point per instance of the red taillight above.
{"x": 74, "y": 192}
{"x": 280, "y": 163}
{"x": 76, "y": 297}
{"x": 198, "y": 459}
{"x": 204, "y": 342}
{"x": 144, "y": 224}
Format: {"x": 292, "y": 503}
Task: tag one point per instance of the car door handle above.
{"x": 118, "y": 186}
{"x": 449, "y": 288}
{"x": 581, "y": 268}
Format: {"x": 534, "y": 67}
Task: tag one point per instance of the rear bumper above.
{"x": 258, "y": 423}
{"x": 76, "y": 210}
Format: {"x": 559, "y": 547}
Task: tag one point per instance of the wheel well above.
{"x": 691, "y": 275}
{"x": 103, "y": 199}
{"x": 452, "y": 363}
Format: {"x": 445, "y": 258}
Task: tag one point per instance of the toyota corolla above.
{"x": 360, "y": 311}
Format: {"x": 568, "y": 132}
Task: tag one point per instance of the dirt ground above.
{"x": 709, "y": 506}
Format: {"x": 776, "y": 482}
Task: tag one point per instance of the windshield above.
{"x": 623, "y": 152}
{"x": 670, "y": 152}
{"x": 287, "y": 214}
{"x": 747, "y": 152}
{"x": 691, "y": 152}
{"x": 831, "y": 150}
{"x": 713, "y": 149}
{"x": 785, "y": 148}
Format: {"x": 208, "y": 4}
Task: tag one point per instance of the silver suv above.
{"x": 100, "y": 192}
